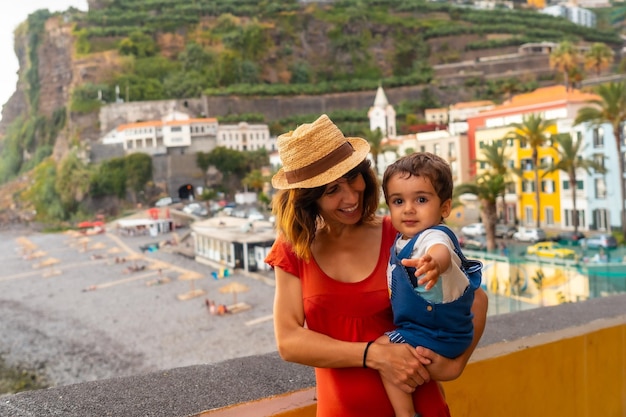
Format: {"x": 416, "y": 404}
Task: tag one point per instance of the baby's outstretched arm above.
{"x": 430, "y": 266}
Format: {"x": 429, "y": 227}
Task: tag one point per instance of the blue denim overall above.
{"x": 445, "y": 328}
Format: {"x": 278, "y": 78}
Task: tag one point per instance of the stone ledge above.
{"x": 177, "y": 392}
{"x": 194, "y": 390}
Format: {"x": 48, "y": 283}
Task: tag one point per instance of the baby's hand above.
{"x": 428, "y": 271}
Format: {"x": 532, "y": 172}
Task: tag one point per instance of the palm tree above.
{"x": 598, "y": 57}
{"x": 610, "y": 108}
{"x": 494, "y": 155}
{"x": 570, "y": 161}
{"x": 255, "y": 180}
{"x": 487, "y": 187}
{"x": 375, "y": 139}
{"x": 533, "y": 131}
{"x": 564, "y": 58}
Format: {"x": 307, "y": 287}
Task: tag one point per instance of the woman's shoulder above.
{"x": 281, "y": 254}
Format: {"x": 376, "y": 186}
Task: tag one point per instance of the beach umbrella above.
{"x": 38, "y": 254}
{"x": 98, "y": 245}
{"x": 46, "y": 262}
{"x": 191, "y": 277}
{"x": 234, "y": 288}
{"x": 27, "y": 245}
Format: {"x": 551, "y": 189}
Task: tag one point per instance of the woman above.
{"x": 330, "y": 261}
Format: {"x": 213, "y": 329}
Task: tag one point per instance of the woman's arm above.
{"x": 298, "y": 344}
{"x": 444, "y": 369}
{"x": 396, "y": 362}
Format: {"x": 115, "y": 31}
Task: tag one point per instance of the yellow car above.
{"x": 550, "y": 250}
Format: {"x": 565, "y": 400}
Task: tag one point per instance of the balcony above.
{"x": 565, "y": 360}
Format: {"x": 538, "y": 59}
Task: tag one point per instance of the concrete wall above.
{"x": 272, "y": 108}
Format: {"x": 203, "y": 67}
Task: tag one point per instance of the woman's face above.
{"x": 342, "y": 200}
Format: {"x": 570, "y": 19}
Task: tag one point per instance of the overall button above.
{"x": 429, "y": 308}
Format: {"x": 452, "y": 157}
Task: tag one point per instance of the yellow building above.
{"x": 554, "y": 103}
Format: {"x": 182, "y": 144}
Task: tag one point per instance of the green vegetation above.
{"x": 63, "y": 192}
{"x": 231, "y": 48}
{"x": 170, "y": 49}
{"x": 14, "y": 380}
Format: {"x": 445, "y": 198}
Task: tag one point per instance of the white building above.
{"x": 597, "y": 195}
{"x": 459, "y": 113}
{"x": 452, "y": 148}
{"x": 382, "y": 115}
{"x": 246, "y": 137}
{"x": 233, "y": 242}
{"x": 573, "y": 13}
{"x": 177, "y": 133}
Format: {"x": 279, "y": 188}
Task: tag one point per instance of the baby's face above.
{"x": 414, "y": 204}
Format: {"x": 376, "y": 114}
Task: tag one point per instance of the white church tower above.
{"x": 382, "y": 115}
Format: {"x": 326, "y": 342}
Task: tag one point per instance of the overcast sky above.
{"x": 12, "y": 13}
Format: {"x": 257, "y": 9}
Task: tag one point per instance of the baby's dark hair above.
{"x": 423, "y": 164}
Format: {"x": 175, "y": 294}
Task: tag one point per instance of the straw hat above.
{"x": 316, "y": 154}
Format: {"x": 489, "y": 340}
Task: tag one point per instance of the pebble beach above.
{"x": 76, "y": 308}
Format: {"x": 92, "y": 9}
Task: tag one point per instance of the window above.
{"x": 528, "y": 215}
{"x": 546, "y": 161}
{"x": 454, "y": 168}
{"x": 451, "y": 150}
{"x": 547, "y": 186}
{"x": 436, "y": 149}
{"x": 549, "y": 215}
{"x": 599, "y": 159}
{"x": 598, "y": 137}
{"x": 601, "y": 219}
{"x": 510, "y": 213}
{"x": 580, "y": 185}
{"x": 600, "y": 186}
{"x": 527, "y": 164}
{"x": 176, "y": 129}
{"x": 569, "y": 217}
{"x": 528, "y": 186}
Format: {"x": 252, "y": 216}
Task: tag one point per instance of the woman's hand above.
{"x": 445, "y": 369}
{"x": 400, "y": 364}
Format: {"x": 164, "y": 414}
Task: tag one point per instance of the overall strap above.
{"x": 467, "y": 264}
{"x": 407, "y": 250}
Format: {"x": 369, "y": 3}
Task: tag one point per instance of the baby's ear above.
{"x": 446, "y": 208}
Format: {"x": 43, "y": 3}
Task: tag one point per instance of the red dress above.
{"x": 356, "y": 312}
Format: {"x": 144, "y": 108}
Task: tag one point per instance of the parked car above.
{"x": 196, "y": 209}
{"x": 568, "y": 237}
{"x": 474, "y": 229}
{"x": 474, "y": 242}
{"x": 528, "y": 234}
{"x": 163, "y": 202}
{"x": 550, "y": 250}
{"x": 505, "y": 230}
{"x": 602, "y": 240}
{"x": 255, "y": 215}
